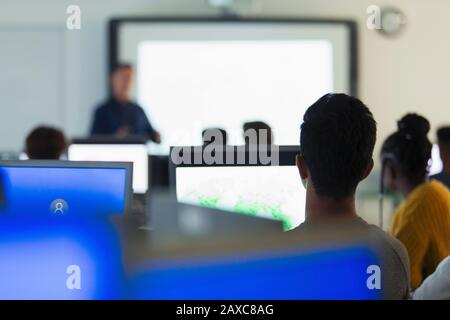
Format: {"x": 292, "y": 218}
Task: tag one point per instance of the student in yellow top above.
{"x": 422, "y": 221}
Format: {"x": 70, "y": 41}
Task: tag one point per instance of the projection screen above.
{"x": 193, "y": 74}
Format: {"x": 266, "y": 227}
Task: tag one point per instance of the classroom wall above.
{"x": 79, "y": 80}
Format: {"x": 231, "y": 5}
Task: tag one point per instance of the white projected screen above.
{"x": 192, "y": 76}
{"x": 137, "y": 154}
{"x": 273, "y": 192}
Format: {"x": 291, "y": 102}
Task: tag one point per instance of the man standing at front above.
{"x": 119, "y": 116}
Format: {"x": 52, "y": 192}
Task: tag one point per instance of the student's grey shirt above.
{"x": 395, "y": 268}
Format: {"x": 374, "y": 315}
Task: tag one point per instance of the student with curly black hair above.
{"x": 337, "y": 139}
{"x": 422, "y": 221}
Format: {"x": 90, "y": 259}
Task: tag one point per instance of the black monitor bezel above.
{"x": 107, "y": 139}
{"x": 287, "y": 157}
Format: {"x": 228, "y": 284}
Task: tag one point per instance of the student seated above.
{"x": 337, "y": 139}
{"x": 257, "y": 132}
{"x": 45, "y": 143}
{"x": 422, "y": 221}
{"x": 443, "y": 135}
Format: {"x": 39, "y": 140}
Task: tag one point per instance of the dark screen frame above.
{"x": 287, "y": 157}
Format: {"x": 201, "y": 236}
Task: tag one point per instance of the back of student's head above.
{"x": 337, "y": 139}
{"x": 260, "y": 129}
{"x": 408, "y": 148}
{"x": 45, "y": 143}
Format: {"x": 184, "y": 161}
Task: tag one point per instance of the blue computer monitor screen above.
{"x": 63, "y": 190}
{"x": 332, "y": 273}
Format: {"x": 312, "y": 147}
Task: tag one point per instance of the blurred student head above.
{"x": 214, "y": 136}
{"x": 337, "y": 139}
{"x": 406, "y": 154}
{"x": 45, "y": 143}
{"x": 257, "y": 132}
{"x": 122, "y": 81}
{"x": 443, "y": 135}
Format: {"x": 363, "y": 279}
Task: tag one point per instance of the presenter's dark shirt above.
{"x": 112, "y": 115}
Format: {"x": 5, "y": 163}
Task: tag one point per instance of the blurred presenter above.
{"x": 119, "y": 115}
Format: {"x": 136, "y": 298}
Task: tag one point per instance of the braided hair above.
{"x": 409, "y": 147}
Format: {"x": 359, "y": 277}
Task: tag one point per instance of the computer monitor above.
{"x": 436, "y": 162}
{"x": 65, "y": 188}
{"x": 69, "y": 259}
{"x": 117, "y": 150}
{"x": 271, "y": 191}
{"x": 337, "y": 273}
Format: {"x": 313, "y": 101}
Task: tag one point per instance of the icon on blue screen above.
{"x": 59, "y": 207}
